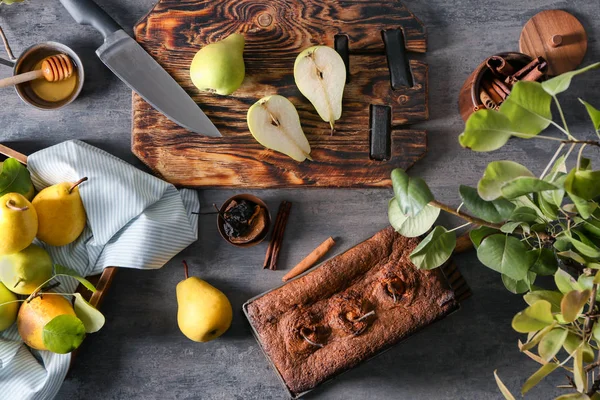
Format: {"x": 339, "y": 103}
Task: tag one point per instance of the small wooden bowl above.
{"x": 253, "y": 199}
{"x": 468, "y": 98}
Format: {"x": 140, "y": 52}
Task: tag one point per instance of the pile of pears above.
{"x": 319, "y": 73}
{"x": 57, "y": 217}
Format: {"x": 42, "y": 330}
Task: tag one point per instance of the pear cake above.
{"x": 348, "y": 310}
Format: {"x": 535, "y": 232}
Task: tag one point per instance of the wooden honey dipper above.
{"x": 54, "y": 68}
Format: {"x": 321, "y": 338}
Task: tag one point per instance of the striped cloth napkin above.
{"x": 134, "y": 220}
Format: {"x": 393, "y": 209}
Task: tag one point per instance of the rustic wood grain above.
{"x": 275, "y": 34}
{"x": 570, "y": 40}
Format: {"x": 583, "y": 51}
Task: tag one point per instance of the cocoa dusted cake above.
{"x": 348, "y": 310}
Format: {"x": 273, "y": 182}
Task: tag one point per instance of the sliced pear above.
{"x": 274, "y": 123}
{"x": 320, "y": 74}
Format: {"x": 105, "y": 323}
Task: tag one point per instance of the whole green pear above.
{"x": 219, "y": 67}
{"x": 8, "y": 312}
{"x": 25, "y": 271}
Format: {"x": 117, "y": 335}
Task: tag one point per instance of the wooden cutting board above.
{"x": 276, "y": 32}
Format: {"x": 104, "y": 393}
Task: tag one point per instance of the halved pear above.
{"x": 320, "y": 74}
{"x": 274, "y": 123}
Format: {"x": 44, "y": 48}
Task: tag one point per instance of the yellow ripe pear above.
{"x": 61, "y": 213}
{"x": 8, "y": 312}
{"x": 219, "y": 67}
{"x": 34, "y": 315}
{"x": 25, "y": 271}
{"x": 18, "y": 223}
{"x": 204, "y": 312}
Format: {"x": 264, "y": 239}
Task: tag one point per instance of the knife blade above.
{"x": 134, "y": 66}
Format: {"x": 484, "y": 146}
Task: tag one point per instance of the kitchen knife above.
{"x": 134, "y": 66}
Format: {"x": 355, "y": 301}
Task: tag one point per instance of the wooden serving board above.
{"x": 276, "y": 32}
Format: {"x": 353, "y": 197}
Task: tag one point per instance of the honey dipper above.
{"x": 54, "y": 68}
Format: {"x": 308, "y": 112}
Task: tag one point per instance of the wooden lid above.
{"x": 557, "y": 36}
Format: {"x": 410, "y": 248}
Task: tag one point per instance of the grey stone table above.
{"x": 140, "y": 353}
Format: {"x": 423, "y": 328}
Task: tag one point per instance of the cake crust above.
{"x": 348, "y": 310}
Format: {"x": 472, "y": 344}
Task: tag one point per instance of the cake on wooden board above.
{"x": 348, "y": 310}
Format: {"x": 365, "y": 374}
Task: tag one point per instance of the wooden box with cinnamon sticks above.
{"x": 491, "y": 82}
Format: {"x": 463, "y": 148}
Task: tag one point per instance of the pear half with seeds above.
{"x": 274, "y": 123}
{"x": 320, "y": 74}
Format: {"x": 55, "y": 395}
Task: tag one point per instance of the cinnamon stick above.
{"x": 486, "y": 99}
{"x": 501, "y": 88}
{"x": 517, "y": 76}
{"x": 536, "y": 74}
{"x": 499, "y": 66}
{"x": 310, "y": 260}
{"x": 277, "y": 236}
{"x": 496, "y": 98}
{"x": 276, "y": 228}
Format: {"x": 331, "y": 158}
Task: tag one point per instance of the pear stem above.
{"x": 19, "y": 281}
{"x": 185, "y": 269}
{"x": 79, "y": 182}
{"x": 11, "y": 204}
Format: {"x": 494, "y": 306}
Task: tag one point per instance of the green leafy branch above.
{"x": 525, "y": 226}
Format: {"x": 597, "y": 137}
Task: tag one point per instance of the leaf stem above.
{"x": 460, "y": 227}
{"x": 562, "y": 117}
{"x": 554, "y": 157}
{"x": 475, "y": 220}
{"x": 579, "y": 156}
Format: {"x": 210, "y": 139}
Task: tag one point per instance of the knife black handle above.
{"x": 87, "y": 12}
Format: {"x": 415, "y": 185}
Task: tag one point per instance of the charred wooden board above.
{"x": 276, "y": 32}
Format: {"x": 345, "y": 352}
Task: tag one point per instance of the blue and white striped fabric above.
{"x": 134, "y": 220}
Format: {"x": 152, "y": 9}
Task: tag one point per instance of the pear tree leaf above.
{"x": 584, "y": 246}
{"x": 533, "y": 318}
{"x": 592, "y": 227}
{"x": 574, "y": 396}
{"x": 478, "y": 234}
{"x": 560, "y": 83}
{"x": 510, "y": 227}
{"x": 583, "y": 183}
{"x": 15, "y": 178}
{"x": 528, "y": 108}
{"x": 503, "y": 389}
{"x": 525, "y": 201}
{"x": 518, "y": 287}
{"x": 569, "y": 254}
{"x": 505, "y": 254}
{"x": 492, "y": 211}
{"x": 545, "y": 262}
{"x": 537, "y": 337}
{"x": 579, "y": 373}
{"x": 486, "y": 130}
{"x": 496, "y": 175}
{"x": 594, "y": 114}
{"x": 552, "y": 297}
{"x": 412, "y": 226}
{"x": 412, "y": 194}
{"x": 548, "y": 208}
{"x": 584, "y": 207}
{"x": 596, "y": 331}
{"x": 537, "y": 377}
{"x": 524, "y": 185}
{"x": 63, "y": 334}
{"x": 572, "y": 304}
{"x": 573, "y": 341}
{"x": 62, "y": 270}
{"x": 435, "y": 249}
{"x": 565, "y": 282}
{"x": 92, "y": 319}
{"x": 555, "y": 196}
{"x": 551, "y": 343}
{"x": 523, "y": 214}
